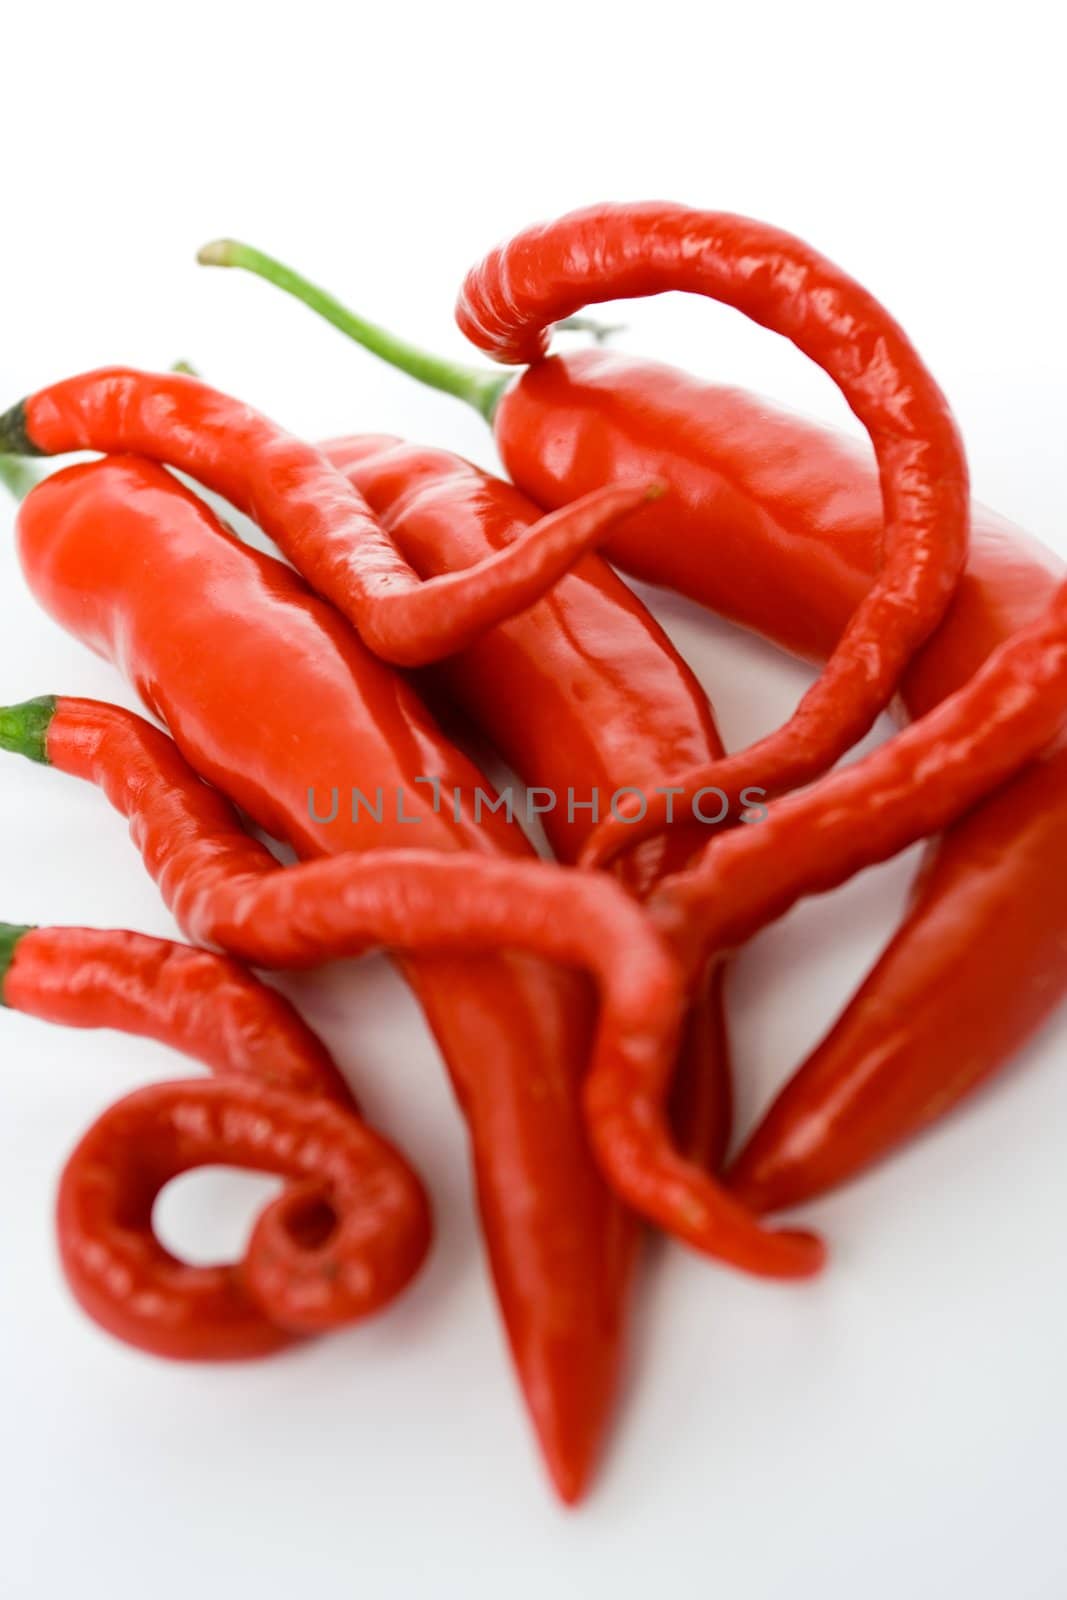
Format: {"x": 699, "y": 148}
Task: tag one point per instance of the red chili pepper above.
{"x": 339, "y": 1244}
{"x": 319, "y": 521}
{"x": 914, "y": 785}
{"x": 611, "y": 252}
{"x": 271, "y": 696}
{"x": 583, "y": 695}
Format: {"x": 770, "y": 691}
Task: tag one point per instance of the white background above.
{"x": 897, "y": 1428}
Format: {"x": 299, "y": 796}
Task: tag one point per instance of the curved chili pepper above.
{"x": 272, "y": 698}
{"x": 319, "y": 521}
{"x": 583, "y": 695}
{"x": 611, "y": 252}
{"x": 614, "y": 252}
{"x": 227, "y": 889}
{"x": 914, "y": 785}
{"x": 339, "y": 1244}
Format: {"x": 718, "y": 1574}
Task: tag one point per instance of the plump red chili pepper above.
{"x": 319, "y": 521}
{"x": 338, "y": 1244}
{"x": 272, "y": 698}
{"x": 611, "y": 252}
{"x": 918, "y": 783}
{"x": 227, "y": 889}
{"x": 583, "y": 694}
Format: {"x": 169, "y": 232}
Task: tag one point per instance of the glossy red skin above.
{"x": 315, "y": 517}
{"x": 583, "y": 691}
{"x": 917, "y": 783}
{"x": 280, "y": 1105}
{"x": 268, "y": 692}
{"x": 510, "y": 301}
{"x": 776, "y": 523}
{"x": 925, "y": 778}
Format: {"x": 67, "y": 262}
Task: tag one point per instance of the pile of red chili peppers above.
{"x": 578, "y": 1004}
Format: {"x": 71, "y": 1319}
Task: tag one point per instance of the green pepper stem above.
{"x": 24, "y": 728}
{"x": 11, "y": 936}
{"x": 480, "y": 389}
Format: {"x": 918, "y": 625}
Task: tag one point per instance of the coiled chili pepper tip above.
{"x": 342, "y": 1241}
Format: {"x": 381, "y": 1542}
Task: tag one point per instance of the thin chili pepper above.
{"x": 583, "y": 695}
{"x": 914, "y": 785}
{"x": 337, "y": 1245}
{"x": 321, "y": 523}
{"x": 777, "y": 523}
{"x": 227, "y": 889}
{"x": 612, "y": 252}
{"x": 272, "y": 698}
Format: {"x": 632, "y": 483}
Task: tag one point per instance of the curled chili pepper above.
{"x": 321, "y": 523}
{"x": 342, "y": 1240}
{"x": 615, "y": 252}
{"x": 917, "y": 783}
{"x": 272, "y": 698}
{"x": 226, "y": 889}
{"x": 612, "y": 252}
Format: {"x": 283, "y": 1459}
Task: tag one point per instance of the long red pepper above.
{"x": 344, "y": 1238}
{"x": 583, "y": 694}
{"x": 321, "y": 523}
{"x": 778, "y": 524}
{"x": 607, "y": 252}
{"x": 918, "y": 783}
{"x": 271, "y": 696}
